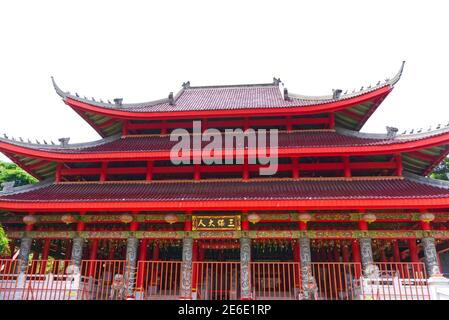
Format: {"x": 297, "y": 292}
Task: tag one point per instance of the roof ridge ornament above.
{"x": 64, "y": 142}
{"x": 276, "y": 81}
{"x": 186, "y": 85}
{"x": 57, "y": 89}
{"x": 118, "y": 101}
{"x": 286, "y": 97}
{"x": 171, "y": 100}
{"x": 336, "y": 93}
{"x": 391, "y": 132}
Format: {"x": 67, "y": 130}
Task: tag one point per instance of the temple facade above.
{"x": 342, "y": 207}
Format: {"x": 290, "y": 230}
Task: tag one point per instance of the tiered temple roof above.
{"x": 352, "y": 108}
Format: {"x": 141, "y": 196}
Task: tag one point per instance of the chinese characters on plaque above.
{"x": 218, "y": 223}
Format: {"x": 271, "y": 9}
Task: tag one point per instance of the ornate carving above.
{"x": 25, "y": 248}
{"x": 77, "y": 251}
{"x": 366, "y": 253}
{"x": 245, "y": 259}
{"x": 306, "y": 272}
{"x": 186, "y": 269}
{"x": 430, "y": 255}
{"x": 132, "y": 245}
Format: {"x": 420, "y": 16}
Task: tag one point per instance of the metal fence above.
{"x": 152, "y": 280}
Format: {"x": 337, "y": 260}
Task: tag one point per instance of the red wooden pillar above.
{"x": 413, "y": 250}
{"x": 398, "y": 160}
{"x": 149, "y": 175}
{"x": 141, "y": 264}
{"x": 58, "y": 172}
{"x": 104, "y": 168}
{"x": 295, "y": 168}
{"x": 345, "y": 253}
{"x": 44, "y": 258}
{"x": 331, "y": 120}
{"x": 346, "y": 166}
{"x": 111, "y": 252}
{"x": 245, "y": 167}
{"x": 156, "y": 252}
{"x": 93, "y": 256}
{"x": 289, "y": 123}
{"x": 356, "y": 258}
{"x": 194, "y": 266}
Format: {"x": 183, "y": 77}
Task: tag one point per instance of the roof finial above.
{"x": 336, "y": 94}
{"x": 118, "y": 101}
{"x": 171, "y": 100}
{"x": 391, "y": 132}
{"x": 64, "y": 141}
{"x": 276, "y": 81}
{"x": 286, "y": 97}
{"x": 186, "y": 85}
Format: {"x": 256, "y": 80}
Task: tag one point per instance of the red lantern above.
{"x": 28, "y": 220}
{"x": 254, "y": 218}
{"x": 68, "y": 218}
{"x": 126, "y": 218}
{"x": 369, "y": 217}
{"x": 171, "y": 218}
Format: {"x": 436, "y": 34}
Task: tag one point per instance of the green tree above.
{"x": 11, "y": 172}
{"x": 441, "y": 171}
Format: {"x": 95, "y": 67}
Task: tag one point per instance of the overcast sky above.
{"x": 142, "y": 51}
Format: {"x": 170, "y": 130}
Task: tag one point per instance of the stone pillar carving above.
{"x": 306, "y": 271}
{"x": 25, "y": 248}
{"x": 245, "y": 275}
{"x": 77, "y": 252}
{"x": 132, "y": 245}
{"x": 366, "y": 253}
{"x": 186, "y": 268}
{"x": 430, "y": 256}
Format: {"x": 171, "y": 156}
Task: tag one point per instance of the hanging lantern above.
{"x": 68, "y": 218}
{"x": 427, "y": 217}
{"x": 29, "y": 220}
{"x": 126, "y": 218}
{"x": 254, "y": 218}
{"x": 171, "y": 218}
{"x": 369, "y": 217}
{"x": 304, "y": 217}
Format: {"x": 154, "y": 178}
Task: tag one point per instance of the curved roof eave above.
{"x": 135, "y": 110}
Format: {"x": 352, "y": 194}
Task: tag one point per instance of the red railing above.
{"x": 216, "y": 280}
{"x": 159, "y": 280}
{"x": 149, "y": 280}
{"x": 276, "y": 280}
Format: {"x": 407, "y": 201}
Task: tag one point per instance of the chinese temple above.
{"x": 343, "y": 204}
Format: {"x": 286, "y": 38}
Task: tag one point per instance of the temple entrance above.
{"x": 216, "y": 274}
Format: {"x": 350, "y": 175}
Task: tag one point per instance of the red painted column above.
{"x": 156, "y": 252}
{"x": 396, "y": 251}
{"x": 336, "y": 253}
{"x": 103, "y": 174}
{"x": 331, "y": 120}
{"x": 289, "y": 123}
{"x": 93, "y": 256}
{"x": 398, "y": 160}
{"x": 295, "y": 168}
{"x": 194, "y": 266}
{"x": 196, "y": 173}
{"x": 188, "y": 221}
{"x": 141, "y": 264}
{"x": 347, "y": 167}
{"x": 356, "y": 257}
{"x": 345, "y": 253}
{"x": 149, "y": 176}
{"x": 245, "y": 167}
{"x": 413, "y": 250}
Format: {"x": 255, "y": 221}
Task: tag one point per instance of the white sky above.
{"x": 141, "y": 51}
